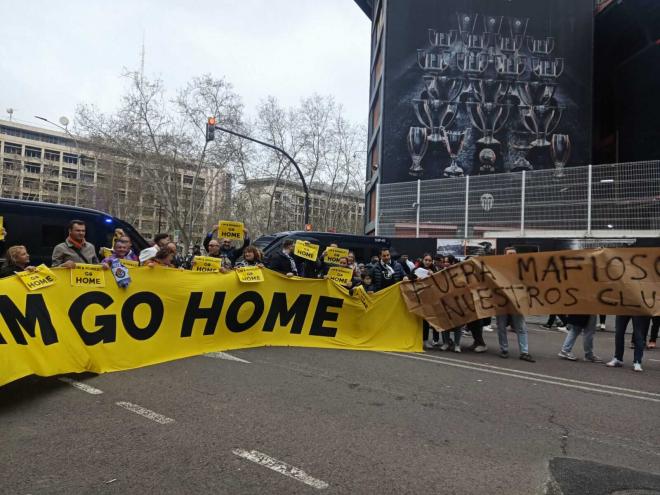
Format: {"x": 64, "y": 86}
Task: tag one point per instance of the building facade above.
{"x": 44, "y": 165}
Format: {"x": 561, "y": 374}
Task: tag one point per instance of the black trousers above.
{"x": 476, "y": 328}
{"x": 425, "y": 332}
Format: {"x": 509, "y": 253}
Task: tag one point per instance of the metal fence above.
{"x": 587, "y": 199}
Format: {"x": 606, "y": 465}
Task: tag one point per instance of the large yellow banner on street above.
{"x": 168, "y": 314}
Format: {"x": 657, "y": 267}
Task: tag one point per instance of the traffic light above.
{"x": 210, "y": 129}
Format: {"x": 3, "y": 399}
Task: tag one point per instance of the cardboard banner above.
{"x": 306, "y": 250}
{"x": 605, "y": 281}
{"x": 206, "y": 264}
{"x": 38, "y": 279}
{"x": 165, "y": 315}
{"x": 340, "y": 274}
{"x": 85, "y": 275}
{"x": 333, "y": 254}
{"x": 230, "y": 230}
{"x": 250, "y": 274}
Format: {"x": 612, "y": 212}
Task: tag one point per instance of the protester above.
{"x": 426, "y": 270}
{"x": 2, "y": 241}
{"x": 476, "y": 328}
{"x": 18, "y": 261}
{"x": 160, "y": 241}
{"x": 602, "y": 320}
{"x": 322, "y": 266}
{"x": 577, "y": 324}
{"x": 519, "y": 326}
{"x": 177, "y": 260}
{"x": 214, "y": 250}
{"x": 148, "y": 254}
{"x": 655, "y": 326}
{"x": 251, "y": 257}
{"x": 225, "y": 248}
{"x": 353, "y": 265}
{"x": 164, "y": 257}
{"x": 640, "y": 326}
{"x": 386, "y": 272}
{"x": 367, "y": 283}
{"x": 188, "y": 261}
{"x": 407, "y": 265}
{"x": 120, "y": 251}
{"x": 561, "y": 322}
{"x": 74, "y": 249}
{"x": 282, "y": 261}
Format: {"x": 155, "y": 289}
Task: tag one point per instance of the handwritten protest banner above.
{"x": 84, "y": 275}
{"x": 340, "y": 274}
{"x": 206, "y": 264}
{"x": 306, "y": 250}
{"x": 230, "y": 230}
{"x": 250, "y": 274}
{"x": 333, "y": 254}
{"x": 606, "y": 281}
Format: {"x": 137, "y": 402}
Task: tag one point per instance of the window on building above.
{"x": 33, "y": 168}
{"x": 86, "y": 177}
{"x": 188, "y": 179}
{"x": 14, "y": 149}
{"x": 51, "y": 186}
{"x": 53, "y": 156}
{"x": 69, "y": 158}
{"x": 32, "y": 152}
{"x": 11, "y": 164}
{"x": 51, "y": 171}
{"x": 30, "y": 183}
{"x": 69, "y": 173}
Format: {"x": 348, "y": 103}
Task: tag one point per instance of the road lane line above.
{"x": 540, "y": 375}
{"x": 529, "y": 378}
{"x": 224, "y": 355}
{"x": 80, "y": 386}
{"x": 280, "y": 467}
{"x": 147, "y": 413}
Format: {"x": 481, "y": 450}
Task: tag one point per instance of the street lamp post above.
{"x": 293, "y": 162}
{"x": 64, "y": 126}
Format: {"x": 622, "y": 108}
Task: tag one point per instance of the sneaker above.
{"x": 427, "y": 346}
{"x": 466, "y": 333}
{"x": 510, "y": 328}
{"x": 545, "y": 325}
{"x": 436, "y": 343}
{"x": 457, "y": 348}
{"x": 593, "y": 359}
{"x": 480, "y": 348}
{"x": 615, "y": 363}
{"x": 567, "y": 355}
{"x": 651, "y": 345}
{"x": 444, "y": 347}
{"x": 637, "y": 367}
{"x": 504, "y": 354}
{"x": 525, "y": 356}
{"x": 560, "y": 323}
{"x": 488, "y": 328}
{"x": 601, "y": 326}
{"x": 562, "y": 329}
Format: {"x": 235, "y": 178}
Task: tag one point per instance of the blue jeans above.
{"x": 587, "y": 337}
{"x": 446, "y": 336}
{"x": 640, "y": 325}
{"x": 518, "y": 322}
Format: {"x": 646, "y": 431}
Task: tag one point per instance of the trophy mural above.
{"x": 489, "y": 73}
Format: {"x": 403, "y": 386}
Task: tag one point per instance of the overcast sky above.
{"x": 56, "y": 54}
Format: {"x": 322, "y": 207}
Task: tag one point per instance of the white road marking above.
{"x": 280, "y": 467}
{"x": 552, "y": 380}
{"x": 80, "y": 386}
{"x": 147, "y": 413}
{"x": 224, "y": 355}
{"x": 655, "y": 360}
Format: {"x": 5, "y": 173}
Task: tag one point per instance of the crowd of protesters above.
{"x": 379, "y": 273}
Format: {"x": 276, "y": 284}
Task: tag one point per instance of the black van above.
{"x": 363, "y": 246}
{"x": 41, "y": 226}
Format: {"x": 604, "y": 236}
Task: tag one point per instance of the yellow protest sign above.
{"x": 230, "y": 230}
{"x": 362, "y": 295}
{"x": 84, "y": 275}
{"x": 105, "y": 252}
{"x": 249, "y": 274}
{"x": 129, "y": 263}
{"x": 333, "y": 254}
{"x": 306, "y": 250}
{"x": 340, "y": 274}
{"x": 207, "y": 264}
{"x": 38, "y": 279}
{"x": 2, "y": 227}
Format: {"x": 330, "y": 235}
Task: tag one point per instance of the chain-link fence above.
{"x": 587, "y": 199}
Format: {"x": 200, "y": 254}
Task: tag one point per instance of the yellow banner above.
{"x": 340, "y": 274}
{"x": 250, "y": 274}
{"x": 105, "y": 252}
{"x": 306, "y": 250}
{"x": 206, "y": 264}
{"x": 64, "y": 329}
{"x": 230, "y": 230}
{"x": 90, "y": 276}
{"x": 2, "y": 227}
{"x": 38, "y": 279}
{"x": 129, "y": 263}
{"x": 333, "y": 254}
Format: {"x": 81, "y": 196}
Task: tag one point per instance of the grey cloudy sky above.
{"x": 58, "y": 53}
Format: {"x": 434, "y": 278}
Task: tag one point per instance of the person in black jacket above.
{"x": 386, "y": 272}
{"x": 576, "y": 324}
{"x": 282, "y": 261}
{"x": 18, "y": 260}
{"x": 226, "y": 250}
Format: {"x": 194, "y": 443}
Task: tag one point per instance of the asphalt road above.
{"x": 293, "y": 420}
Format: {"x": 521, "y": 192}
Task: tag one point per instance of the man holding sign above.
{"x": 225, "y": 249}
{"x": 74, "y": 249}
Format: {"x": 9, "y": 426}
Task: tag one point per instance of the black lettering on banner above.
{"x": 483, "y": 298}
{"x": 106, "y": 324}
{"x": 601, "y": 297}
{"x": 469, "y": 302}
{"x": 486, "y": 271}
{"x": 639, "y": 267}
{"x": 609, "y": 264}
{"x": 452, "y": 309}
{"x": 552, "y": 267}
{"x": 594, "y": 268}
{"x": 195, "y": 312}
{"x": 35, "y": 312}
{"x": 525, "y": 267}
{"x": 533, "y": 294}
{"x": 470, "y": 272}
{"x": 322, "y": 315}
{"x": 232, "y": 312}
{"x": 453, "y": 275}
{"x": 499, "y": 291}
{"x": 567, "y": 266}
{"x": 156, "y": 317}
{"x": 556, "y": 292}
{"x": 657, "y": 266}
{"x": 571, "y": 291}
{"x": 280, "y": 310}
{"x": 443, "y": 275}
{"x": 513, "y": 289}
{"x": 654, "y": 298}
{"x": 623, "y": 304}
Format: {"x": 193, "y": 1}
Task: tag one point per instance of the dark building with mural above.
{"x": 485, "y": 89}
